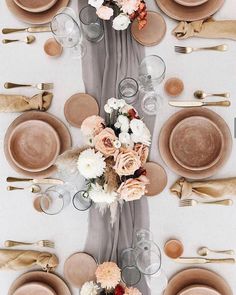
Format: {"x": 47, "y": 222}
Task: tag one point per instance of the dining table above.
{"x": 212, "y": 226}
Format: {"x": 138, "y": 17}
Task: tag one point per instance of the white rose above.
{"x": 126, "y": 108}
{"x": 96, "y": 3}
{"x": 140, "y": 132}
{"x": 117, "y": 125}
{"x": 124, "y": 137}
{"x": 121, "y": 22}
{"x": 121, "y": 103}
{"x": 113, "y": 103}
{"x": 107, "y": 109}
{"x": 137, "y": 126}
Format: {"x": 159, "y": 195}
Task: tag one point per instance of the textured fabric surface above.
{"x": 105, "y": 64}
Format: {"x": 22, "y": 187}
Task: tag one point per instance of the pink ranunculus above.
{"x": 127, "y": 162}
{"x": 132, "y": 291}
{"x": 129, "y": 6}
{"x": 142, "y": 150}
{"x": 133, "y": 188}
{"x": 92, "y": 126}
{"x": 104, "y": 142}
{"x": 105, "y": 12}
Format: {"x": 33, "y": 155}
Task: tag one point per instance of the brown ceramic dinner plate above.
{"x": 165, "y": 134}
{"x": 34, "y": 145}
{"x": 196, "y": 143}
{"x": 35, "y": 6}
{"x": 197, "y": 276}
{"x": 80, "y": 268}
{"x": 78, "y": 107}
{"x": 52, "y": 280}
{"x": 157, "y": 177}
{"x": 58, "y": 125}
{"x": 190, "y": 2}
{"x": 198, "y": 290}
{"x": 153, "y": 32}
{"x": 36, "y": 18}
{"x": 185, "y": 13}
{"x": 34, "y": 288}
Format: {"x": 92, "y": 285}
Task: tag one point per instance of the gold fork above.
{"x": 40, "y": 86}
{"x": 191, "y": 203}
{"x": 41, "y": 243}
{"x": 188, "y": 49}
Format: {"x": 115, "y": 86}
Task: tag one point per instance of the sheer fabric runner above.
{"x": 104, "y": 65}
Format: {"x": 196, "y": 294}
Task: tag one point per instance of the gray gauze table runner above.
{"x": 117, "y": 56}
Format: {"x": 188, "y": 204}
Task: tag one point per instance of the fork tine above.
{"x": 185, "y": 203}
{"x": 180, "y": 49}
{"x": 46, "y": 86}
{"x": 49, "y": 244}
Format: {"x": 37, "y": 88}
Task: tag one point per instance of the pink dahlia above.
{"x": 132, "y": 291}
{"x": 108, "y": 275}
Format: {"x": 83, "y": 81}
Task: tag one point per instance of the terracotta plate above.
{"x": 61, "y": 129}
{"x": 35, "y": 6}
{"x": 191, "y": 2}
{"x": 196, "y": 144}
{"x": 197, "y": 276}
{"x": 36, "y": 18}
{"x": 198, "y": 290}
{"x": 157, "y": 177}
{"x": 34, "y": 145}
{"x": 34, "y": 288}
{"x": 80, "y": 268}
{"x": 153, "y": 32}
{"x": 78, "y": 107}
{"x": 180, "y": 12}
{"x": 52, "y": 280}
{"x": 166, "y": 133}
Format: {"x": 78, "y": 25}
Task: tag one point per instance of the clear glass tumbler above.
{"x": 128, "y": 90}
{"x": 81, "y": 201}
{"x": 67, "y": 32}
{"x": 130, "y": 273}
{"x": 92, "y": 25}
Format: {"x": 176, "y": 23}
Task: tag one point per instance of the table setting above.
{"x": 117, "y": 147}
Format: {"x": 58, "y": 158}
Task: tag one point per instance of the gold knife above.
{"x": 200, "y": 260}
{"x": 190, "y": 104}
{"x": 37, "y": 29}
{"x": 36, "y": 181}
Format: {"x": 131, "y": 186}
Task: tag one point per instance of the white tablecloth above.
{"x": 212, "y": 71}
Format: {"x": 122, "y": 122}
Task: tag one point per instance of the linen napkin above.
{"x": 216, "y": 188}
{"x": 22, "y": 259}
{"x": 20, "y": 103}
{"x": 209, "y": 28}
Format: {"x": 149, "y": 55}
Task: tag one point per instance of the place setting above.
{"x": 122, "y": 167}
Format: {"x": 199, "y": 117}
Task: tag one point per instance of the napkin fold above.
{"x": 209, "y": 28}
{"x": 20, "y": 103}
{"x": 216, "y": 188}
{"x": 22, "y": 259}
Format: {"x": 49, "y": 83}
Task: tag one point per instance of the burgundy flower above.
{"x": 119, "y": 290}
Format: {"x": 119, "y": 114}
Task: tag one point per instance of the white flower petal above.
{"x": 121, "y": 22}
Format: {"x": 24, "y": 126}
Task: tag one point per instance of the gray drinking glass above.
{"x": 128, "y": 90}
{"x": 91, "y": 24}
{"x": 130, "y": 273}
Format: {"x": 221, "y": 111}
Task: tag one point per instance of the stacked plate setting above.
{"x": 190, "y": 10}
{"x": 35, "y": 6}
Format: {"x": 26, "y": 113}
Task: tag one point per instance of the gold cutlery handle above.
{"x": 226, "y": 94}
{"x": 222, "y": 47}
{"x": 223, "y": 103}
{"x": 6, "y": 41}
{"x": 221, "y": 260}
{"x": 229, "y": 252}
{"x": 9, "y": 85}
{"x": 15, "y": 179}
{"x": 39, "y": 29}
{"x": 10, "y": 243}
{"x": 13, "y": 188}
{"x": 227, "y": 202}
{"x": 10, "y": 30}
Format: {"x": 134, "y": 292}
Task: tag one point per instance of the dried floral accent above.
{"x": 111, "y": 179}
{"x": 108, "y": 275}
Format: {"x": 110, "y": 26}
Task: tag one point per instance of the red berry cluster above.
{"x": 119, "y": 290}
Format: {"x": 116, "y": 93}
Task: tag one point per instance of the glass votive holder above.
{"x": 92, "y": 26}
{"x": 81, "y": 201}
{"x": 151, "y": 103}
{"x": 128, "y": 90}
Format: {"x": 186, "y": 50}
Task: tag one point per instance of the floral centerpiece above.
{"x": 108, "y": 281}
{"x": 112, "y": 162}
{"x": 122, "y": 11}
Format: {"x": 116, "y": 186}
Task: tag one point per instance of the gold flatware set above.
{"x": 41, "y": 243}
{"x": 189, "y": 49}
{"x": 192, "y": 203}
{"x": 40, "y": 86}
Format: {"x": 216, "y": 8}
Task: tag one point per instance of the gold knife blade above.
{"x": 190, "y": 104}
{"x": 37, "y": 29}
{"x": 200, "y": 260}
{"x": 36, "y": 180}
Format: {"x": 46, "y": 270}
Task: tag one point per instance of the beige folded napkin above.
{"x": 20, "y": 103}
{"x": 22, "y": 259}
{"x": 217, "y": 188}
{"x": 209, "y": 28}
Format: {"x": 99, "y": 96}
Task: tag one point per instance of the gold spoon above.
{"x": 204, "y": 251}
{"x": 28, "y": 40}
{"x": 199, "y": 94}
{"x": 33, "y": 188}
